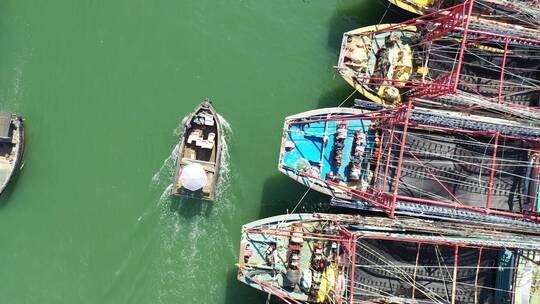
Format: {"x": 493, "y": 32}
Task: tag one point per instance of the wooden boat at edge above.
{"x": 335, "y": 258}
{"x": 11, "y": 147}
{"x": 199, "y": 151}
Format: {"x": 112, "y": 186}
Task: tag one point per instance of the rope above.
{"x": 354, "y": 91}
{"x": 386, "y": 11}
{"x": 301, "y": 199}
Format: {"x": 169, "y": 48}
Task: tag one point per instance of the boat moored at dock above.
{"x": 442, "y": 63}
{"x": 199, "y": 154}
{"x": 11, "y": 147}
{"x": 334, "y": 258}
{"x": 417, "y": 162}
{"x": 518, "y": 13}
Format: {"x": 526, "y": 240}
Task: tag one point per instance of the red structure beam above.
{"x": 400, "y": 161}
{"x": 454, "y": 281}
{"x": 388, "y": 156}
{"x": 463, "y": 46}
{"x": 377, "y": 165}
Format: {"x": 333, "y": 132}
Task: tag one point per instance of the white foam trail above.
{"x": 225, "y": 124}
{"x": 166, "y": 171}
{"x": 224, "y": 170}
{"x": 164, "y": 198}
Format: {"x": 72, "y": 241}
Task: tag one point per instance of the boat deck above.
{"x": 402, "y": 261}
{"x": 200, "y": 144}
{"x": 373, "y": 56}
{"x": 314, "y": 142}
{"x": 276, "y": 274}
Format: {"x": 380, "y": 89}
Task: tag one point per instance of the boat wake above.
{"x": 165, "y": 173}
{"x": 163, "y": 177}
{"x": 193, "y": 232}
{"x": 224, "y": 170}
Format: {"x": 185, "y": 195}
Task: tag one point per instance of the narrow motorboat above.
{"x": 199, "y": 154}
{"x": 11, "y": 147}
{"x": 442, "y": 63}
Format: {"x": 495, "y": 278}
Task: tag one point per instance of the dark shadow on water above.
{"x": 338, "y": 94}
{"x": 238, "y": 292}
{"x": 281, "y": 194}
{"x": 190, "y": 207}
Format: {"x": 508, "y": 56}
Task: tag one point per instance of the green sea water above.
{"x": 104, "y": 86}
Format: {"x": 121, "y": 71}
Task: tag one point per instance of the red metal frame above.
{"x": 380, "y": 197}
{"x": 349, "y": 239}
{"x": 457, "y": 20}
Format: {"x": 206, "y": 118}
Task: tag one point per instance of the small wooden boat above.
{"x": 11, "y": 147}
{"x": 199, "y": 154}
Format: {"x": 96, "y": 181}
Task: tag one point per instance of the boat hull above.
{"x": 446, "y": 68}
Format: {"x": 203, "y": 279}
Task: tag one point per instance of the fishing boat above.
{"x": 199, "y": 154}
{"x": 418, "y": 162}
{"x": 334, "y": 258}
{"x": 11, "y": 147}
{"x": 524, "y": 13}
{"x": 442, "y": 63}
